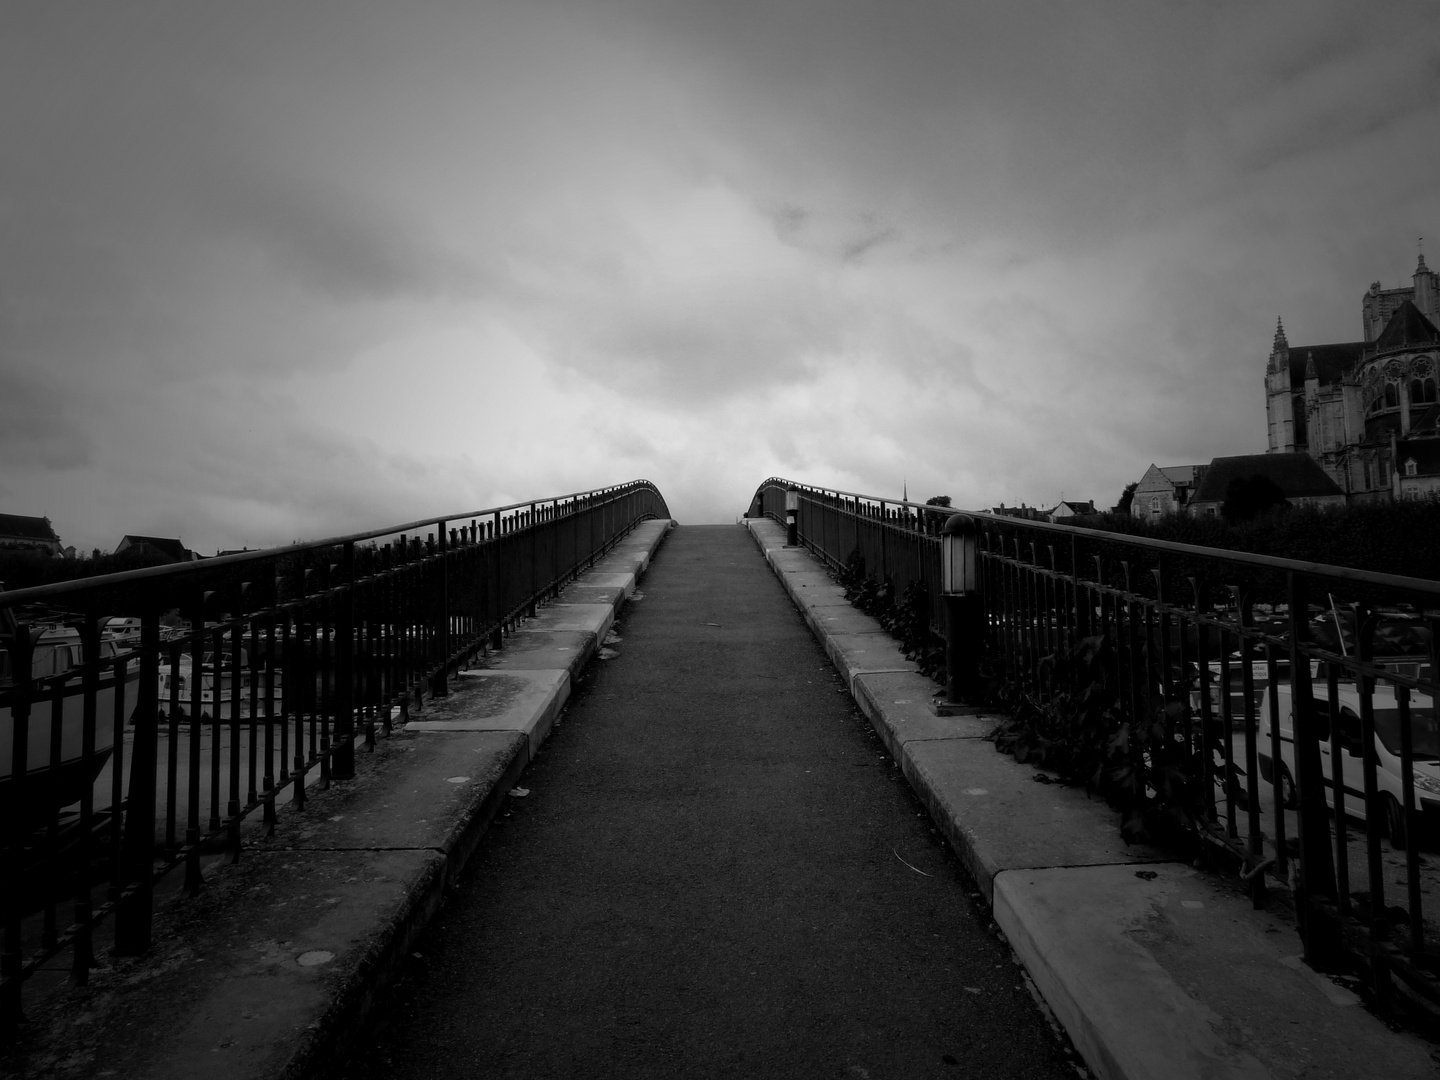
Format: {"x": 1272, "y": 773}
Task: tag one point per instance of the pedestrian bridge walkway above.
{"x": 696, "y": 817}
{"x": 716, "y": 870}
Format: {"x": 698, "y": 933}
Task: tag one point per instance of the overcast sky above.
{"x": 272, "y": 271}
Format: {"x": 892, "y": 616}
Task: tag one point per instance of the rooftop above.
{"x": 1297, "y": 475}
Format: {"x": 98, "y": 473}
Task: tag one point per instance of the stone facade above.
{"x": 1364, "y": 409}
{"x": 1165, "y": 490}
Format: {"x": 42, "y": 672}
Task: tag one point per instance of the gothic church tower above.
{"x": 1279, "y": 405}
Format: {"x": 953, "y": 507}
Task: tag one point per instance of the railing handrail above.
{"x": 1244, "y": 558}
{"x": 36, "y": 593}
{"x": 1175, "y": 714}
{"x": 300, "y": 679}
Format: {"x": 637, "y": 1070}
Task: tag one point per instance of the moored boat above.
{"x": 55, "y": 769}
{"x": 176, "y": 688}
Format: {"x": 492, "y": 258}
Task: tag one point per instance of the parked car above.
{"x": 1425, "y": 754}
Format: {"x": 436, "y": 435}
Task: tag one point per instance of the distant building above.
{"x": 18, "y": 533}
{"x": 170, "y": 550}
{"x": 1031, "y": 513}
{"x": 1417, "y": 472}
{"x": 1366, "y": 411}
{"x": 1069, "y": 510}
{"x": 1298, "y": 476}
{"x": 1166, "y": 490}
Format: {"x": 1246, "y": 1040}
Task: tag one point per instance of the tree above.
{"x": 1126, "y": 498}
{"x": 933, "y": 520}
{"x": 1248, "y": 497}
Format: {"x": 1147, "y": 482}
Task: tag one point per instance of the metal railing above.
{"x": 1295, "y": 697}
{"x": 122, "y": 759}
{"x": 890, "y": 540}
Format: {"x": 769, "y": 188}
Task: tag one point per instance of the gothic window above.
{"x": 1155, "y": 505}
{"x": 1394, "y": 370}
{"x": 1392, "y": 396}
{"x": 1421, "y": 366}
{"x": 1422, "y": 391}
{"x": 1366, "y": 466}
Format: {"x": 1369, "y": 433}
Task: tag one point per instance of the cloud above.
{"x": 694, "y": 298}
{"x": 273, "y": 271}
{"x": 331, "y": 239}
{"x": 38, "y": 423}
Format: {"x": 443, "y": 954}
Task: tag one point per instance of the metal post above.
{"x": 440, "y": 684}
{"x": 82, "y": 953}
{"x": 534, "y": 563}
{"x": 964, "y": 616}
{"x": 21, "y": 646}
{"x": 342, "y": 761}
{"x": 133, "y": 919}
{"x": 1318, "y": 931}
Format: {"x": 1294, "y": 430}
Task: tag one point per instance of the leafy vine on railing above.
{"x": 1070, "y": 720}
{"x": 1073, "y": 724}
{"x": 907, "y": 618}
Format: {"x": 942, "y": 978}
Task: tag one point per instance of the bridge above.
{"x": 562, "y": 788}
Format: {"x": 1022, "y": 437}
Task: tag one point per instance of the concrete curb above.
{"x": 1153, "y": 968}
{"x": 346, "y": 1019}
{"x": 275, "y": 969}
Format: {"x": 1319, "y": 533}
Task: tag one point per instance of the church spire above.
{"x": 1427, "y": 287}
{"x": 1279, "y": 351}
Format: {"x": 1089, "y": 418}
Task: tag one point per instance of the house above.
{"x": 1298, "y": 476}
{"x": 19, "y": 533}
{"x": 1362, "y": 409}
{"x": 1165, "y": 490}
{"x": 167, "y": 549}
{"x": 1068, "y": 511}
{"x": 1417, "y": 469}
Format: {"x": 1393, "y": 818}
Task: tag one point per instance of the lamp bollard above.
{"x": 964, "y": 617}
{"x": 792, "y": 508}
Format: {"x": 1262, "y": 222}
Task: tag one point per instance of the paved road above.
{"x": 709, "y": 878}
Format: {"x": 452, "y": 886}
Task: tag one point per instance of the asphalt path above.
{"x": 717, "y": 872}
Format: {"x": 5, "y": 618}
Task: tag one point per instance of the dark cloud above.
{"x": 38, "y": 423}
{"x": 997, "y": 248}
{"x": 845, "y": 237}
{"x": 330, "y": 239}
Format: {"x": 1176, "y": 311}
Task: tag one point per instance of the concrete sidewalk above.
{"x": 276, "y": 967}
{"x": 1154, "y": 969}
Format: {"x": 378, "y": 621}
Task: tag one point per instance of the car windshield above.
{"x": 1424, "y": 732}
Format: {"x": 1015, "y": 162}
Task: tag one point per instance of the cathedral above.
{"x": 1366, "y": 411}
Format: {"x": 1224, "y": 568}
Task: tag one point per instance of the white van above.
{"x": 1425, "y": 749}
